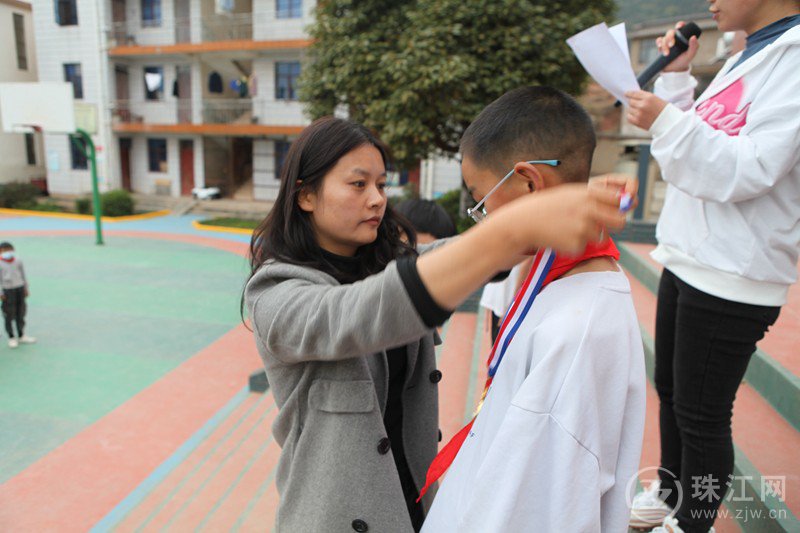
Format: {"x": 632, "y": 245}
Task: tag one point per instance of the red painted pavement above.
{"x": 77, "y": 484}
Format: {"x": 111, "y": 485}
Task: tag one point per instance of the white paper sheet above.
{"x": 603, "y": 52}
{"x": 620, "y": 35}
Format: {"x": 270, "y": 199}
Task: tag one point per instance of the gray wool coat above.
{"x": 324, "y": 349}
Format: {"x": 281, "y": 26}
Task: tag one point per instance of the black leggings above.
{"x": 14, "y": 310}
{"x": 703, "y": 345}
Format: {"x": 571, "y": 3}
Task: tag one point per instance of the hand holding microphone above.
{"x": 678, "y": 48}
{"x": 665, "y": 44}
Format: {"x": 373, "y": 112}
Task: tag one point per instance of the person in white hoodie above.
{"x": 728, "y": 236}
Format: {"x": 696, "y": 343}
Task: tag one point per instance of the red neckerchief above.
{"x": 561, "y": 265}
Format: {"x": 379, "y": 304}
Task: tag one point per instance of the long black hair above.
{"x": 287, "y": 235}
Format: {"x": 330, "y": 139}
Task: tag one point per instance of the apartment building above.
{"x": 21, "y": 154}
{"x": 188, "y": 93}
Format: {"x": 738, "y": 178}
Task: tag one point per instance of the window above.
{"x": 157, "y": 155}
{"x": 79, "y": 160}
{"x": 30, "y": 148}
{"x": 151, "y": 13}
{"x": 281, "y": 149}
{"x": 289, "y": 9}
{"x": 72, "y": 74}
{"x": 66, "y": 12}
{"x": 19, "y": 37}
{"x": 648, "y": 51}
{"x": 224, "y": 7}
{"x": 286, "y": 75}
{"x": 154, "y": 83}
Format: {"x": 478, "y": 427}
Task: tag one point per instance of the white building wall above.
{"x": 267, "y": 27}
{"x": 164, "y": 111}
{"x": 269, "y": 110}
{"x": 87, "y": 44}
{"x": 13, "y": 154}
{"x": 146, "y": 182}
{"x": 446, "y": 176}
{"x": 265, "y": 182}
{"x": 82, "y": 43}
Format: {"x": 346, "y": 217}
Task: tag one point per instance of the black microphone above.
{"x": 682, "y": 36}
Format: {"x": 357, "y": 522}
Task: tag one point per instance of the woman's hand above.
{"x": 621, "y": 183}
{"x": 643, "y": 108}
{"x": 565, "y": 218}
{"x": 683, "y": 61}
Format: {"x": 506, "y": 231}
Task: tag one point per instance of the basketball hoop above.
{"x": 50, "y": 107}
{"x": 27, "y": 128}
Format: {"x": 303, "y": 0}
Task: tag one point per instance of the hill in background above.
{"x": 636, "y": 11}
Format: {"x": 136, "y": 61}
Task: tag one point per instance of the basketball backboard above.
{"x": 44, "y": 106}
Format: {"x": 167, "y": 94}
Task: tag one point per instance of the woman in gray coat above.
{"x": 344, "y": 315}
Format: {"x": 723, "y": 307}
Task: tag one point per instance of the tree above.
{"x": 418, "y": 72}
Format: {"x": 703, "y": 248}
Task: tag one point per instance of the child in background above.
{"x": 15, "y": 290}
{"x": 429, "y": 220}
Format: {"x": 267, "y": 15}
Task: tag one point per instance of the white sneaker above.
{"x": 648, "y": 510}
{"x": 27, "y": 340}
{"x": 670, "y": 525}
{"x": 13, "y": 343}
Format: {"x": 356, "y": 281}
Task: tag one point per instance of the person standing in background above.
{"x": 15, "y": 291}
{"x": 729, "y": 236}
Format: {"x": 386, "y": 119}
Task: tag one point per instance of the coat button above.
{"x": 384, "y": 445}
{"x": 360, "y": 526}
{"x": 436, "y": 376}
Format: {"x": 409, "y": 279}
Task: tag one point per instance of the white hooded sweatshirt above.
{"x": 730, "y": 226}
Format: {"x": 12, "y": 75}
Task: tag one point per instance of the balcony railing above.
{"x": 237, "y": 111}
{"x": 213, "y": 28}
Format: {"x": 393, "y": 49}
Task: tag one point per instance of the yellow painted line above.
{"x": 72, "y": 216}
{"x": 222, "y": 229}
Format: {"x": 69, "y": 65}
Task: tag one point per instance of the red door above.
{"x": 125, "y": 163}
{"x": 187, "y": 167}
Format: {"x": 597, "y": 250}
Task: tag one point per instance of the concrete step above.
{"x": 254, "y": 210}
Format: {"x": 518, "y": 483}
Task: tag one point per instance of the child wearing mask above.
{"x": 15, "y": 291}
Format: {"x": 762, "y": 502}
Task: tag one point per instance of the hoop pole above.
{"x": 87, "y": 147}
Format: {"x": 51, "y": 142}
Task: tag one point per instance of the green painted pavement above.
{"x": 110, "y": 321}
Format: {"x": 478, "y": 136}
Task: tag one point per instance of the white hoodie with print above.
{"x": 730, "y": 225}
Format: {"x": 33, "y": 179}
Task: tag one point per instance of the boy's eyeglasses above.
{"x": 478, "y": 212}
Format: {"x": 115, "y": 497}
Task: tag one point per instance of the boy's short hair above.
{"x": 427, "y": 217}
{"x": 5, "y": 245}
{"x": 532, "y": 123}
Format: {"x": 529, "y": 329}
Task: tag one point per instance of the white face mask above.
{"x": 8, "y": 256}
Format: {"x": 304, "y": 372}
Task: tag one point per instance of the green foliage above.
{"x": 451, "y": 202}
{"x": 83, "y": 206}
{"x": 117, "y": 203}
{"x": 418, "y": 71}
{"x": 49, "y": 207}
{"x": 243, "y": 223}
{"x": 18, "y": 195}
